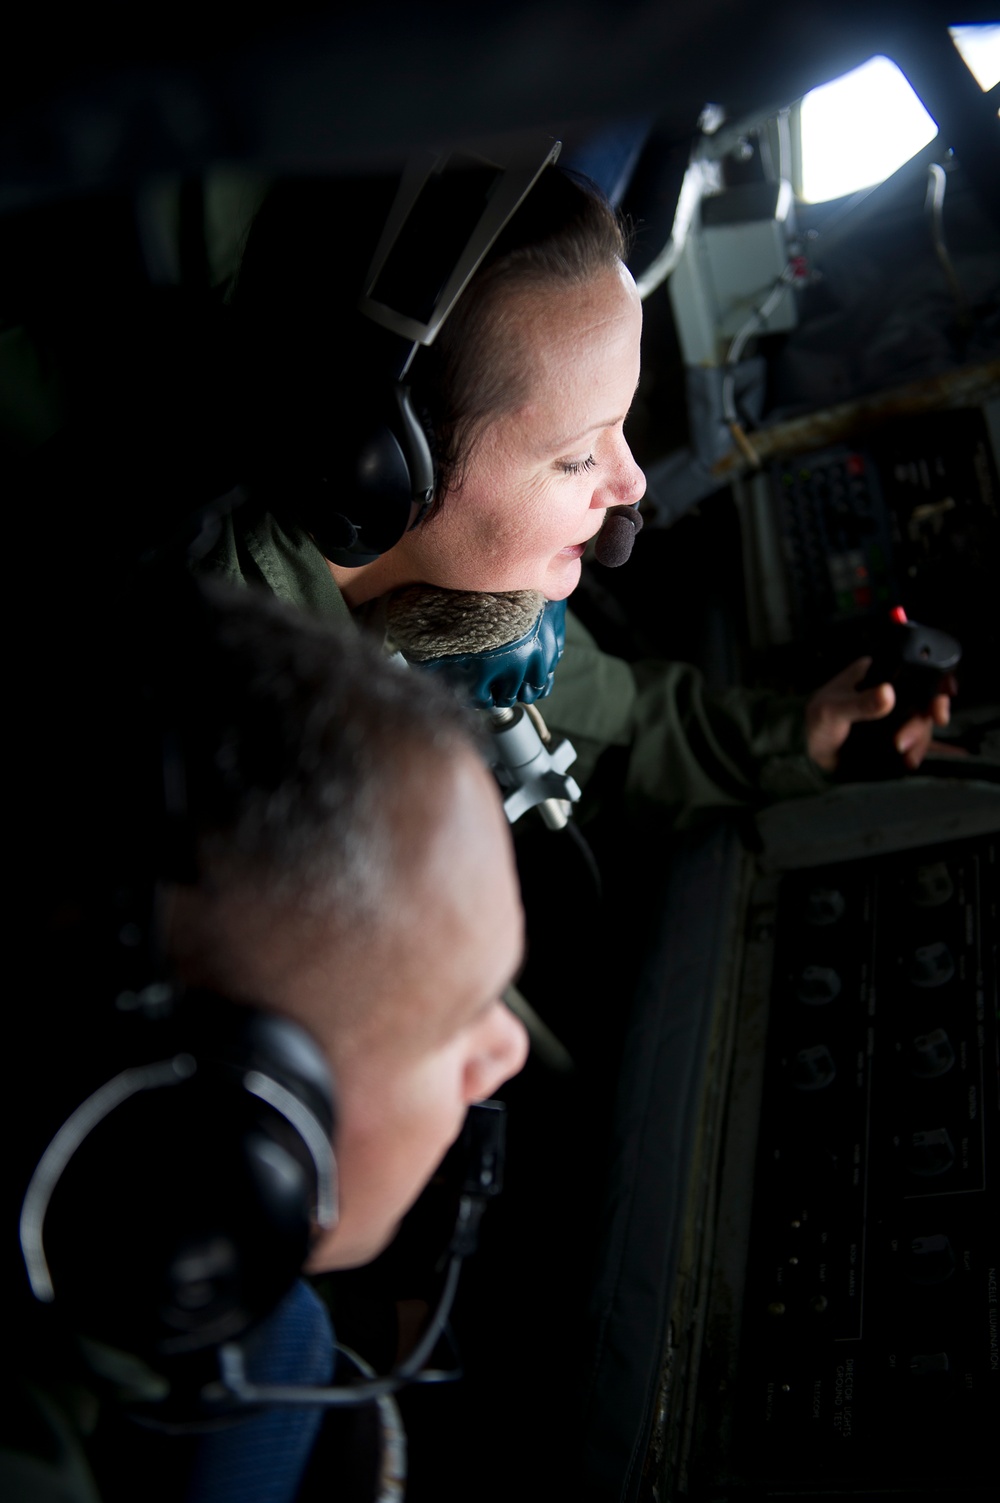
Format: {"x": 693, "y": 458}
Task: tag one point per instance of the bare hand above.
{"x": 835, "y": 707}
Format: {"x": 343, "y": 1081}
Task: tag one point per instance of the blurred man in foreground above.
{"x": 336, "y": 865}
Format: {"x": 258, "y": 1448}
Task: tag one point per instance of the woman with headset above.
{"x": 507, "y": 400}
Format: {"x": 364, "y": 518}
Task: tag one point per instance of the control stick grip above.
{"x": 916, "y": 660}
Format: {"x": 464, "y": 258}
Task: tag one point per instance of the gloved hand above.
{"x": 904, "y": 688}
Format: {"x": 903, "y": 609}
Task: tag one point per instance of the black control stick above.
{"x": 916, "y": 660}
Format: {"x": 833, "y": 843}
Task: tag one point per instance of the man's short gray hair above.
{"x": 300, "y": 742}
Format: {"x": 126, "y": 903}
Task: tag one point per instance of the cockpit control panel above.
{"x": 868, "y": 1347}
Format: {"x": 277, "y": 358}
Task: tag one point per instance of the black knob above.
{"x": 932, "y": 1260}
{"x": 814, "y": 1069}
{"x": 817, "y": 984}
{"x": 931, "y": 885}
{"x": 932, "y": 965}
{"x": 931, "y": 1152}
{"x": 824, "y": 906}
{"x": 931, "y": 1054}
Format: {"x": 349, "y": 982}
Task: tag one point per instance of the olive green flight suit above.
{"x": 686, "y": 750}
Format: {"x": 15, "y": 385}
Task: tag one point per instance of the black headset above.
{"x": 174, "y": 1208}
{"x": 175, "y": 1205}
{"x": 449, "y": 210}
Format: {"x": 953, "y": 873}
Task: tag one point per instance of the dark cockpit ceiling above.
{"x": 97, "y": 103}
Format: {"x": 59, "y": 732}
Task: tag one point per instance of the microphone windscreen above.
{"x": 615, "y": 539}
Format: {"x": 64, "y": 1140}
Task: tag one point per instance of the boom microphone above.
{"x": 617, "y": 534}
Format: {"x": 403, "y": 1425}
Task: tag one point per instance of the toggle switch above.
{"x": 933, "y": 1365}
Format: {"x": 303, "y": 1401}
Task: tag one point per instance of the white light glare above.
{"x": 980, "y": 49}
{"x": 859, "y": 129}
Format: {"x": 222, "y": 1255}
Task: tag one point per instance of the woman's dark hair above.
{"x": 314, "y": 361}
{"x": 564, "y": 234}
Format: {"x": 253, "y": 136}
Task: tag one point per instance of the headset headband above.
{"x": 449, "y": 210}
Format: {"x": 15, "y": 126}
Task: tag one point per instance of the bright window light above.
{"x": 859, "y": 129}
{"x": 980, "y": 49}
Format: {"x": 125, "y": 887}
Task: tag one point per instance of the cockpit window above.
{"x": 859, "y": 129}
{"x": 980, "y": 49}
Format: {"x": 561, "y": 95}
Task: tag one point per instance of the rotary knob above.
{"x": 931, "y": 885}
{"x": 932, "y": 965}
{"x": 931, "y": 1054}
{"x": 931, "y": 1152}
{"x": 932, "y": 1260}
{"x": 814, "y": 1069}
{"x": 824, "y": 906}
{"x": 817, "y": 984}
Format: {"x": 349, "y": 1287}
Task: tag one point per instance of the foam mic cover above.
{"x": 617, "y": 534}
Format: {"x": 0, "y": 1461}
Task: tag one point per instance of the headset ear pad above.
{"x": 361, "y": 511}
{"x": 186, "y": 1213}
{"x": 353, "y": 518}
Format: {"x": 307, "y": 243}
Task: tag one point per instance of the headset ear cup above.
{"x": 391, "y": 485}
{"x": 373, "y": 510}
{"x": 186, "y": 1213}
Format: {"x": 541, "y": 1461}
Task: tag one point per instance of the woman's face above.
{"x": 540, "y": 478}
